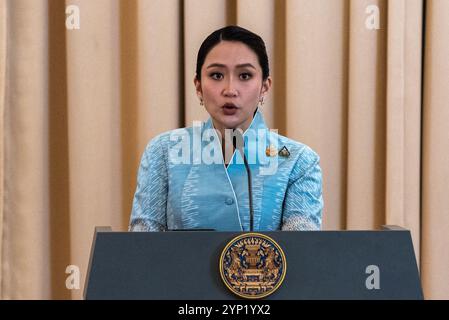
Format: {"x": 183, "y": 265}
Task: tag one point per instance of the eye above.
{"x": 246, "y": 76}
{"x": 216, "y": 75}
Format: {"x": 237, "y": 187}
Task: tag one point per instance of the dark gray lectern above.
{"x": 184, "y": 265}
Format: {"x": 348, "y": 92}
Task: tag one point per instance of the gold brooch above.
{"x": 253, "y": 265}
{"x": 271, "y": 151}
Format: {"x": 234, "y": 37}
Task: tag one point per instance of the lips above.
{"x": 229, "y": 109}
{"x": 229, "y": 106}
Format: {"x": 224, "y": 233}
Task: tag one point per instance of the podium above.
{"x": 184, "y": 265}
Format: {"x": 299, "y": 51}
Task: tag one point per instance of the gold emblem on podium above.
{"x": 253, "y": 265}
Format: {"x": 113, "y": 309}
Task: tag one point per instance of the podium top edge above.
{"x": 103, "y": 229}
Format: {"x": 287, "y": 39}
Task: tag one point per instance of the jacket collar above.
{"x": 252, "y": 135}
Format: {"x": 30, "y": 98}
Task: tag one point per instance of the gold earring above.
{"x": 201, "y": 102}
{"x": 261, "y": 101}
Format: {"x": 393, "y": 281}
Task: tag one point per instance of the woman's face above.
{"x": 231, "y": 85}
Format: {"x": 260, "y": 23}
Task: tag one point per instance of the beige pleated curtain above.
{"x": 79, "y": 105}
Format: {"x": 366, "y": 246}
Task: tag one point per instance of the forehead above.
{"x": 231, "y": 53}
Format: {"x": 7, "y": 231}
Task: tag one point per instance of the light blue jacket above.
{"x": 183, "y": 183}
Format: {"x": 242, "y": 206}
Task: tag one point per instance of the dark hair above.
{"x": 234, "y": 33}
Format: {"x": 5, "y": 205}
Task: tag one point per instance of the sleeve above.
{"x": 150, "y": 199}
{"x": 304, "y": 199}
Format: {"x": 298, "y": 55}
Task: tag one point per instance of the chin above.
{"x": 231, "y": 124}
{"x": 226, "y": 122}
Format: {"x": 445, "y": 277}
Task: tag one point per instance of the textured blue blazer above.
{"x": 182, "y": 182}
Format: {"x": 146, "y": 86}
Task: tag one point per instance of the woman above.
{"x": 197, "y": 178}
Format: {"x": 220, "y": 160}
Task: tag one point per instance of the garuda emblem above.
{"x": 253, "y": 265}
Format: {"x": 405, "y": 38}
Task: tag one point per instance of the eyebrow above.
{"x": 243, "y": 65}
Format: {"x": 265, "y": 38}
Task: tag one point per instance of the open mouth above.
{"x": 229, "y": 109}
{"x": 229, "y": 106}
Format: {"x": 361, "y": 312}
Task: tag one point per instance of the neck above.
{"x": 227, "y": 147}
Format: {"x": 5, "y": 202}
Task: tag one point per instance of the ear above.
{"x": 199, "y": 91}
{"x": 266, "y": 86}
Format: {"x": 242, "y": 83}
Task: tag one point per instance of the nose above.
{"x": 230, "y": 89}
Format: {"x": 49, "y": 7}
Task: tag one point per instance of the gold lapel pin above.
{"x": 284, "y": 152}
{"x": 271, "y": 151}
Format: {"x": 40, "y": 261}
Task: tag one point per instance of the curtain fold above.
{"x": 3, "y": 89}
{"x": 316, "y": 92}
{"x": 435, "y": 155}
{"x": 25, "y": 233}
{"x": 156, "y": 72}
{"x": 94, "y": 126}
{"x": 77, "y": 108}
{"x": 403, "y": 142}
{"x": 366, "y": 118}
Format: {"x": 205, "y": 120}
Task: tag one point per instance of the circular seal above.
{"x": 253, "y": 265}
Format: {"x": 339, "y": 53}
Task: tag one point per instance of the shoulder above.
{"x": 301, "y": 153}
{"x": 165, "y": 139}
{"x": 302, "y": 162}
